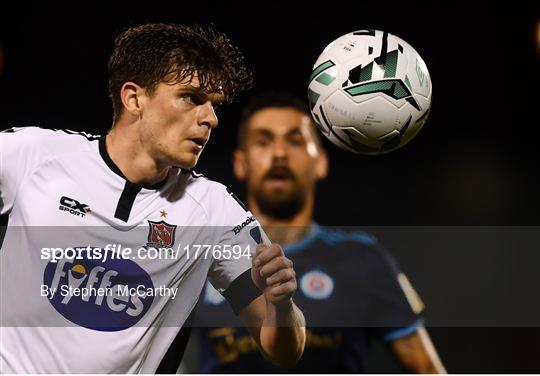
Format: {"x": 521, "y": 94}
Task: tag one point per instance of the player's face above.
{"x": 281, "y": 161}
{"x": 176, "y": 122}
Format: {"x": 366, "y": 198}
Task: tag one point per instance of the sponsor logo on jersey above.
{"x": 317, "y": 285}
{"x": 92, "y": 292}
{"x": 239, "y": 228}
{"x": 73, "y": 206}
{"x": 161, "y": 234}
{"x": 229, "y": 343}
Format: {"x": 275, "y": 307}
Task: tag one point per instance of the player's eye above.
{"x": 262, "y": 142}
{"x": 191, "y": 99}
{"x": 296, "y": 141}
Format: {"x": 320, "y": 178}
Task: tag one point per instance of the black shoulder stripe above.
{"x": 13, "y": 129}
{"x": 88, "y": 136}
{"x": 237, "y": 200}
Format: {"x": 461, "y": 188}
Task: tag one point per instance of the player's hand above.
{"x": 273, "y": 273}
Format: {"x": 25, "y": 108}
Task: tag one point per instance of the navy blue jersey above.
{"x": 349, "y": 289}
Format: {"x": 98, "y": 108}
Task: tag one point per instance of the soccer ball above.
{"x": 369, "y": 92}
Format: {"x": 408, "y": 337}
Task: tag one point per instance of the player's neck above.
{"x": 126, "y": 151}
{"x": 285, "y": 231}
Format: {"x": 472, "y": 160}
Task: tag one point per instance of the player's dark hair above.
{"x": 154, "y": 53}
{"x": 270, "y": 99}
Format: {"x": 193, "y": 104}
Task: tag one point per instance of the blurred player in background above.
{"x": 134, "y": 186}
{"x": 346, "y": 279}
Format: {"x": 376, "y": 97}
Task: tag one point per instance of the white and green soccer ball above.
{"x": 369, "y": 92}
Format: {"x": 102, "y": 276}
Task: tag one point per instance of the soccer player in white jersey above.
{"x": 73, "y": 299}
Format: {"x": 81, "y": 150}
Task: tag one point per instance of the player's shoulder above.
{"x": 356, "y": 243}
{"x": 31, "y": 136}
{"x": 361, "y": 246}
{"x": 200, "y": 186}
{"x": 54, "y": 141}
{"x": 215, "y": 198}
{"x": 333, "y": 236}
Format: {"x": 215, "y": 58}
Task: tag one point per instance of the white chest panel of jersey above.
{"x": 64, "y": 194}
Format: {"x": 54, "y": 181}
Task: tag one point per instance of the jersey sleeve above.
{"x": 20, "y": 153}
{"x": 236, "y": 238}
{"x": 394, "y": 307}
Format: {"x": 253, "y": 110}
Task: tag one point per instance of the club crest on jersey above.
{"x": 317, "y": 285}
{"x": 94, "y": 293}
{"x": 161, "y": 234}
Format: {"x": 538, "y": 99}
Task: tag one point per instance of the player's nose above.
{"x": 207, "y": 115}
{"x": 279, "y": 148}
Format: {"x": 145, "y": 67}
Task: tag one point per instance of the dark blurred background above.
{"x": 473, "y": 163}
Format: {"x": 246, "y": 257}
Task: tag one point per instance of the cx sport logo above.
{"x": 73, "y": 206}
{"x": 109, "y": 311}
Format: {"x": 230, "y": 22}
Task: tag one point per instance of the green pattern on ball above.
{"x": 325, "y": 79}
{"x": 321, "y": 68}
{"x": 408, "y": 83}
{"x": 312, "y": 97}
{"x": 390, "y": 66}
{"x": 394, "y": 88}
{"x": 365, "y": 73}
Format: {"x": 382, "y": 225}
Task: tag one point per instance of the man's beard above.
{"x": 280, "y": 205}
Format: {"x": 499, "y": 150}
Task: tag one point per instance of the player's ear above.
{"x": 239, "y": 164}
{"x": 130, "y": 93}
{"x": 321, "y": 165}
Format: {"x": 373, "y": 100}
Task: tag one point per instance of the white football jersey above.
{"x": 98, "y": 274}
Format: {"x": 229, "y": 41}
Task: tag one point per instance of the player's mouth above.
{"x": 198, "y": 142}
{"x": 279, "y": 175}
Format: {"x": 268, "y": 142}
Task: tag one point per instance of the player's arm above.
{"x": 20, "y": 152}
{"x": 416, "y": 353}
{"x": 395, "y": 307}
{"x": 275, "y": 322}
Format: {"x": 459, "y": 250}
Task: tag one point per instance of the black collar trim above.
{"x": 109, "y": 162}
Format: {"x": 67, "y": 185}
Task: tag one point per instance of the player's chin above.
{"x": 279, "y": 185}
{"x": 187, "y": 160}
{"x": 281, "y": 193}
{"x": 279, "y": 198}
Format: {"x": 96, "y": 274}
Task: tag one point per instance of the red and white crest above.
{"x": 161, "y": 234}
